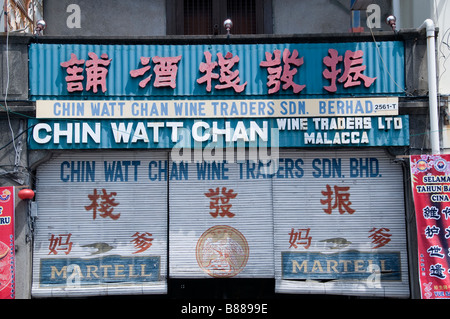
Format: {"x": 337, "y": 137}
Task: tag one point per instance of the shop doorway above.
{"x": 222, "y": 288}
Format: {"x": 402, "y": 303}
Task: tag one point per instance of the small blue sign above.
{"x": 98, "y": 271}
{"x": 347, "y": 265}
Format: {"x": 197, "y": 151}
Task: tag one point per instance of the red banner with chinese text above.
{"x": 430, "y": 179}
{"x": 7, "y": 254}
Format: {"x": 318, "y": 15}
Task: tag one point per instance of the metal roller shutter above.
{"x": 325, "y": 222}
{"x": 340, "y": 224}
{"x": 220, "y": 222}
{"x": 101, "y": 226}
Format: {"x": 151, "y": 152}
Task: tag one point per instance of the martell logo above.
{"x": 222, "y": 251}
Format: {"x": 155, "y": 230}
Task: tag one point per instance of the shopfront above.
{"x": 213, "y": 161}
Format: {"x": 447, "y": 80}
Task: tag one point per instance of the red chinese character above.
{"x": 74, "y": 78}
{"x": 139, "y": 72}
{"x": 300, "y": 237}
{"x": 96, "y": 71}
{"x": 283, "y": 73}
{"x": 274, "y": 70}
{"x": 142, "y": 242}
{"x": 353, "y": 69}
{"x": 380, "y": 237}
{"x": 331, "y": 61}
{"x": 166, "y": 71}
{"x": 207, "y": 68}
{"x": 288, "y": 73}
{"x": 224, "y": 199}
{"x": 227, "y": 76}
{"x": 105, "y": 207}
{"x": 341, "y": 200}
{"x": 61, "y": 242}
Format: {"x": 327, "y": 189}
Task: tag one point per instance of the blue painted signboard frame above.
{"x": 383, "y": 61}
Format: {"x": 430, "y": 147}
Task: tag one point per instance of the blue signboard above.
{"x": 98, "y": 271}
{"x": 232, "y": 132}
{"x": 347, "y": 265}
{"x": 82, "y": 71}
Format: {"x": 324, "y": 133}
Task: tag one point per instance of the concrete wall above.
{"x": 410, "y": 15}
{"x": 321, "y": 16}
{"x": 14, "y": 156}
{"x": 441, "y": 15}
{"x": 148, "y": 17}
{"x": 14, "y": 67}
{"x": 15, "y": 173}
{"x": 440, "y": 12}
{"x": 105, "y": 17}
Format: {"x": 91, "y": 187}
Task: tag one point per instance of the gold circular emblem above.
{"x": 222, "y": 251}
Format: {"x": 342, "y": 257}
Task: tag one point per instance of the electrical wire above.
{"x": 8, "y": 111}
{"x": 444, "y": 41}
{"x": 384, "y": 64}
{"x": 17, "y": 113}
{"x": 16, "y": 137}
{"x": 390, "y": 75}
{"x": 7, "y": 89}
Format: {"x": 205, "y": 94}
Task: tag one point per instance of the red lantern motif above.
{"x": 26, "y": 193}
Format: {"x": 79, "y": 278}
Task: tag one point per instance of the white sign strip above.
{"x": 156, "y": 109}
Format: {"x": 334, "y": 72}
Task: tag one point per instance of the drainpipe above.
{"x": 428, "y": 24}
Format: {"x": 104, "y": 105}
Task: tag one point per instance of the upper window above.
{"x": 206, "y": 17}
